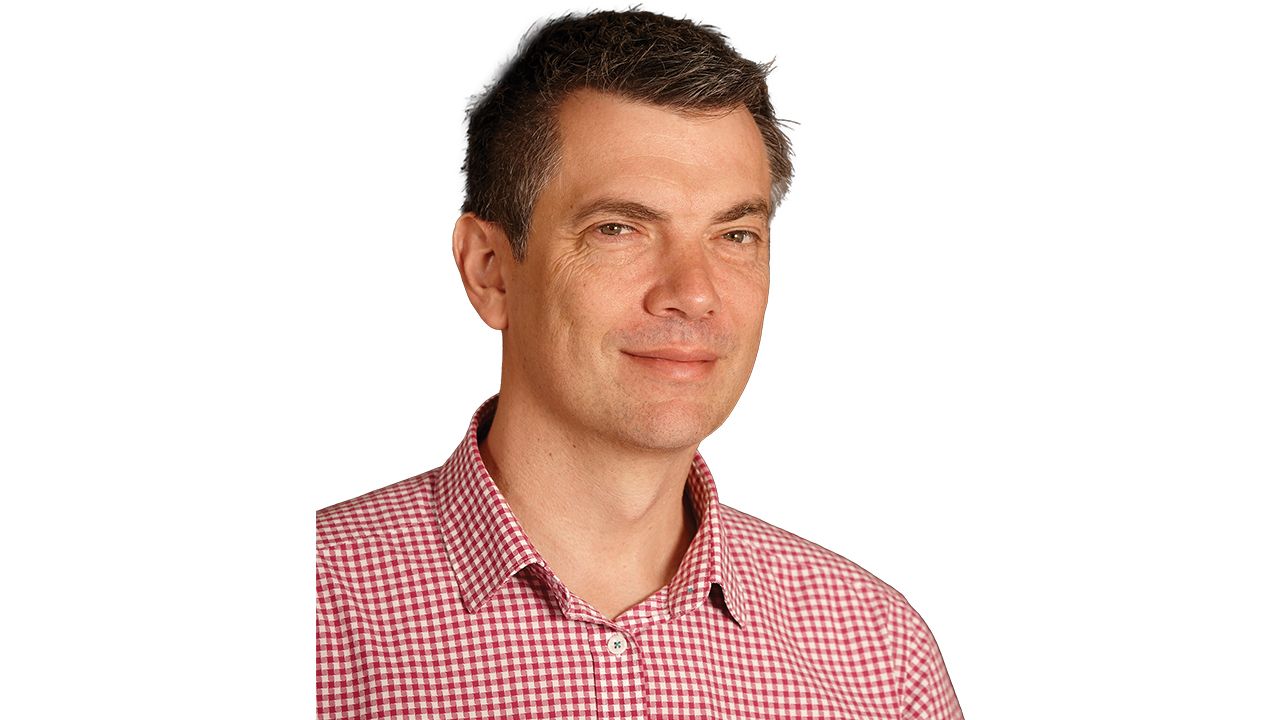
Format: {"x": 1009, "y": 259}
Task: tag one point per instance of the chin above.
{"x": 672, "y": 425}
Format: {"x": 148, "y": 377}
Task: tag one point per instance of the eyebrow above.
{"x": 755, "y": 206}
{"x": 639, "y": 211}
{"x": 622, "y": 208}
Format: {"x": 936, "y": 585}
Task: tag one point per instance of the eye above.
{"x": 742, "y": 237}
{"x": 614, "y": 229}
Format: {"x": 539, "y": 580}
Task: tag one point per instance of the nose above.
{"x": 684, "y": 286}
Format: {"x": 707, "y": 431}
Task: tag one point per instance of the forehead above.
{"x": 610, "y": 145}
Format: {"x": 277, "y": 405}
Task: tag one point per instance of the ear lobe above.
{"x": 481, "y": 250}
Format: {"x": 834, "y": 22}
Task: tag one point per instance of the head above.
{"x": 622, "y": 173}
{"x": 513, "y": 143}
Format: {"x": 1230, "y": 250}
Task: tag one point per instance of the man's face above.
{"x": 635, "y": 317}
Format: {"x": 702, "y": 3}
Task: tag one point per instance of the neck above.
{"x": 613, "y": 523}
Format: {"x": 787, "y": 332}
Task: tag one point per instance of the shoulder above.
{"x": 388, "y": 511}
{"x": 807, "y": 577}
{"x": 787, "y": 556}
{"x": 807, "y": 591}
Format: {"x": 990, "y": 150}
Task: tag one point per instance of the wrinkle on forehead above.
{"x": 609, "y": 142}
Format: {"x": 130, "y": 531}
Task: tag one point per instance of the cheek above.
{"x": 591, "y": 291}
{"x": 582, "y": 316}
{"x": 748, "y": 293}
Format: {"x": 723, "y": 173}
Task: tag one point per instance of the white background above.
{"x": 1020, "y": 358}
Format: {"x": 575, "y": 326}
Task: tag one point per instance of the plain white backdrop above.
{"x": 1020, "y": 359}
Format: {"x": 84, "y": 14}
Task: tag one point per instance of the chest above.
{"x": 520, "y": 657}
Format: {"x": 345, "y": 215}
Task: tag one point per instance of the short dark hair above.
{"x": 512, "y": 137}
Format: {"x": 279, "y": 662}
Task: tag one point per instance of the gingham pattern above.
{"x": 432, "y": 602}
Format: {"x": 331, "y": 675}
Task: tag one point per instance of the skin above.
{"x": 629, "y": 331}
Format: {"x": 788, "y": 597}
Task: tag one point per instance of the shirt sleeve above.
{"x": 337, "y": 677}
{"x": 925, "y": 692}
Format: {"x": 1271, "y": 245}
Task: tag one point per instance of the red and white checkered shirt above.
{"x": 432, "y": 602}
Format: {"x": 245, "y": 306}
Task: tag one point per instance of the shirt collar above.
{"x": 486, "y": 545}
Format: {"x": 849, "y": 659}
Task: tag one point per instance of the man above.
{"x": 571, "y": 558}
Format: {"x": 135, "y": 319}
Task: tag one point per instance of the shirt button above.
{"x": 617, "y": 644}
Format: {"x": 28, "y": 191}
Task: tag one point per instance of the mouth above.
{"x": 674, "y": 363}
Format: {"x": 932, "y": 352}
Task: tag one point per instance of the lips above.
{"x": 674, "y": 363}
{"x": 675, "y": 354}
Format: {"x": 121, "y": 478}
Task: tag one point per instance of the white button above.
{"x": 617, "y": 644}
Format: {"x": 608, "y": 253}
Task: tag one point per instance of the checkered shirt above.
{"x": 433, "y": 602}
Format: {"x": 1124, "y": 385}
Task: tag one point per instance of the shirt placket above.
{"x": 617, "y": 655}
{"x": 619, "y": 670}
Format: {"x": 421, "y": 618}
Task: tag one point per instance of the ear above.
{"x": 483, "y": 254}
